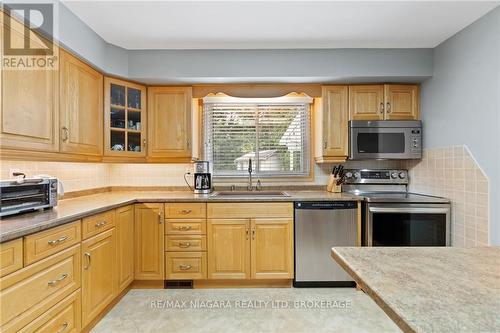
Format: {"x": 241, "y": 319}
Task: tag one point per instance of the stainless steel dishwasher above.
{"x": 318, "y": 227}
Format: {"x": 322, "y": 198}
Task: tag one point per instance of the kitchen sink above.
{"x": 260, "y": 194}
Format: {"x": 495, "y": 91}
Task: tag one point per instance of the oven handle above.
{"x": 428, "y": 210}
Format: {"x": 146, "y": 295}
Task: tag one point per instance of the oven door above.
{"x": 407, "y": 225}
{"x": 383, "y": 143}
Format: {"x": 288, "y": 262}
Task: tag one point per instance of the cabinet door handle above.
{"x": 101, "y": 224}
{"x": 57, "y": 241}
{"x": 184, "y": 245}
{"x": 144, "y": 143}
{"x": 65, "y": 134}
{"x": 184, "y": 228}
{"x": 56, "y": 281}
{"x": 247, "y": 232}
{"x": 253, "y": 233}
{"x": 185, "y": 211}
{"x": 184, "y": 267}
{"x": 188, "y": 143}
{"x": 325, "y": 145}
{"x": 87, "y": 255}
{"x": 388, "y": 107}
{"x": 160, "y": 218}
{"x": 64, "y": 326}
{"x": 381, "y": 107}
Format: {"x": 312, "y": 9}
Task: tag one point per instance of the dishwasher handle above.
{"x": 328, "y": 205}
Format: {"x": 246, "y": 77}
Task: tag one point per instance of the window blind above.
{"x": 273, "y": 133}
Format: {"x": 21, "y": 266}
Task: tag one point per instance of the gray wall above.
{"x": 243, "y": 66}
{"x": 461, "y": 102}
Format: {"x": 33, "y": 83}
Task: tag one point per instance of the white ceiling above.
{"x": 277, "y": 24}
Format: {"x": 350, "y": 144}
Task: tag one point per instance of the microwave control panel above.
{"x": 416, "y": 140}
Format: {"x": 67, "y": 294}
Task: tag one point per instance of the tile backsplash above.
{"x": 84, "y": 176}
{"x": 453, "y": 173}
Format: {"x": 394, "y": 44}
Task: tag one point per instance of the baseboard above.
{"x": 202, "y": 284}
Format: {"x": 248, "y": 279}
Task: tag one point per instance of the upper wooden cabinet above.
{"x": 366, "y": 102}
{"x": 331, "y": 119}
{"x": 383, "y": 102}
{"x": 169, "y": 114}
{"x": 401, "y": 102}
{"x": 81, "y": 107}
{"x": 29, "y": 107}
{"x": 149, "y": 241}
{"x": 124, "y": 118}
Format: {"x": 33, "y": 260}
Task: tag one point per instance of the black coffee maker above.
{"x": 202, "y": 177}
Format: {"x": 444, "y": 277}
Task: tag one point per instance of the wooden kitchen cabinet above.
{"x": 332, "y": 124}
{"x": 81, "y": 107}
{"x": 401, "y": 102}
{"x": 272, "y": 248}
{"x": 169, "y": 133}
{"x": 29, "y": 107}
{"x": 124, "y": 118}
{"x": 228, "y": 248}
{"x": 11, "y": 256}
{"x": 124, "y": 220}
{"x": 384, "y": 102}
{"x": 98, "y": 274}
{"x": 149, "y": 241}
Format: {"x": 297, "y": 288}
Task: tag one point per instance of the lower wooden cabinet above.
{"x": 65, "y": 317}
{"x": 228, "y": 248}
{"x": 11, "y": 256}
{"x": 98, "y": 274}
{"x": 185, "y": 265}
{"x": 149, "y": 241}
{"x": 272, "y": 248}
{"x": 29, "y": 292}
{"x": 124, "y": 220}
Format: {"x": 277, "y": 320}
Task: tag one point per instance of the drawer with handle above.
{"x": 11, "y": 256}
{"x": 64, "y": 317}
{"x": 185, "y": 226}
{"x": 186, "y": 243}
{"x": 98, "y": 223}
{"x": 45, "y": 243}
{"x": 185, "y": 265}
{"x": 29, "y": 292}
{"x": 185, "y": 210}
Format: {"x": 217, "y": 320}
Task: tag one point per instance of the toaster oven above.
{"x": 18, "y": 196}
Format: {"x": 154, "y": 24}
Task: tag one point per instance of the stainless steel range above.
{"x": 395, "y": 217}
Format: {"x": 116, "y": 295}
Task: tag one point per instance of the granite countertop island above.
{"x": 69, "y": 210}
{"x": 424, "y": 289}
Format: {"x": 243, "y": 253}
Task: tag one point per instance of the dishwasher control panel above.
{"x": 326, "y": 205}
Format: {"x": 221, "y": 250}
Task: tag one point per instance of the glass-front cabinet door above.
{"x": 125, "y": 118}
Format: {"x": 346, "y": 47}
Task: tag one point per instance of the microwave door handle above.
{"x": 410, "y": 210}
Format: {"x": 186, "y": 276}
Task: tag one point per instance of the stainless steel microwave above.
{"x": 385, "y": 139}
{"x": 18, "y": 196}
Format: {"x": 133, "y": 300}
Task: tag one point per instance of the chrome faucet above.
{"x": 250, "y": 186}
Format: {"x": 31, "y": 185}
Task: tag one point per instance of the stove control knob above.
{"x": 402, "y": 175}
{"x": 348, "y": 175}
{"x": 394, "y": 175}
{"x": 357, "y": 175}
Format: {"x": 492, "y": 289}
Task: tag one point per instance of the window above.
{"x": 272, "y": 132}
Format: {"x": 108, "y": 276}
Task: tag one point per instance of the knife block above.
{"x": 332, "y": 185}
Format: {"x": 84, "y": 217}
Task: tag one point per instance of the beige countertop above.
{"x": 69, "y": 210}
{"x": 424, "y": 289}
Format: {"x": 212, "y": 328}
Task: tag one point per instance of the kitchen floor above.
{"x": 246, "y": 310}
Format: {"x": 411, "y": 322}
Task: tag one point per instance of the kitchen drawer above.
{"x": 185, "y": 265}
{"x": 65, "y": 317}
{"x": 95, "y": 224}
{"x": 185, "y": 226}
{"x": 11, "y": 256}
{"x": 45, "y": 243}
{"x": 29, "y": 292}
{"x": 187, "y": 243}
{"x": 185, "y": 210}
{"x": 249, "y": 210}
